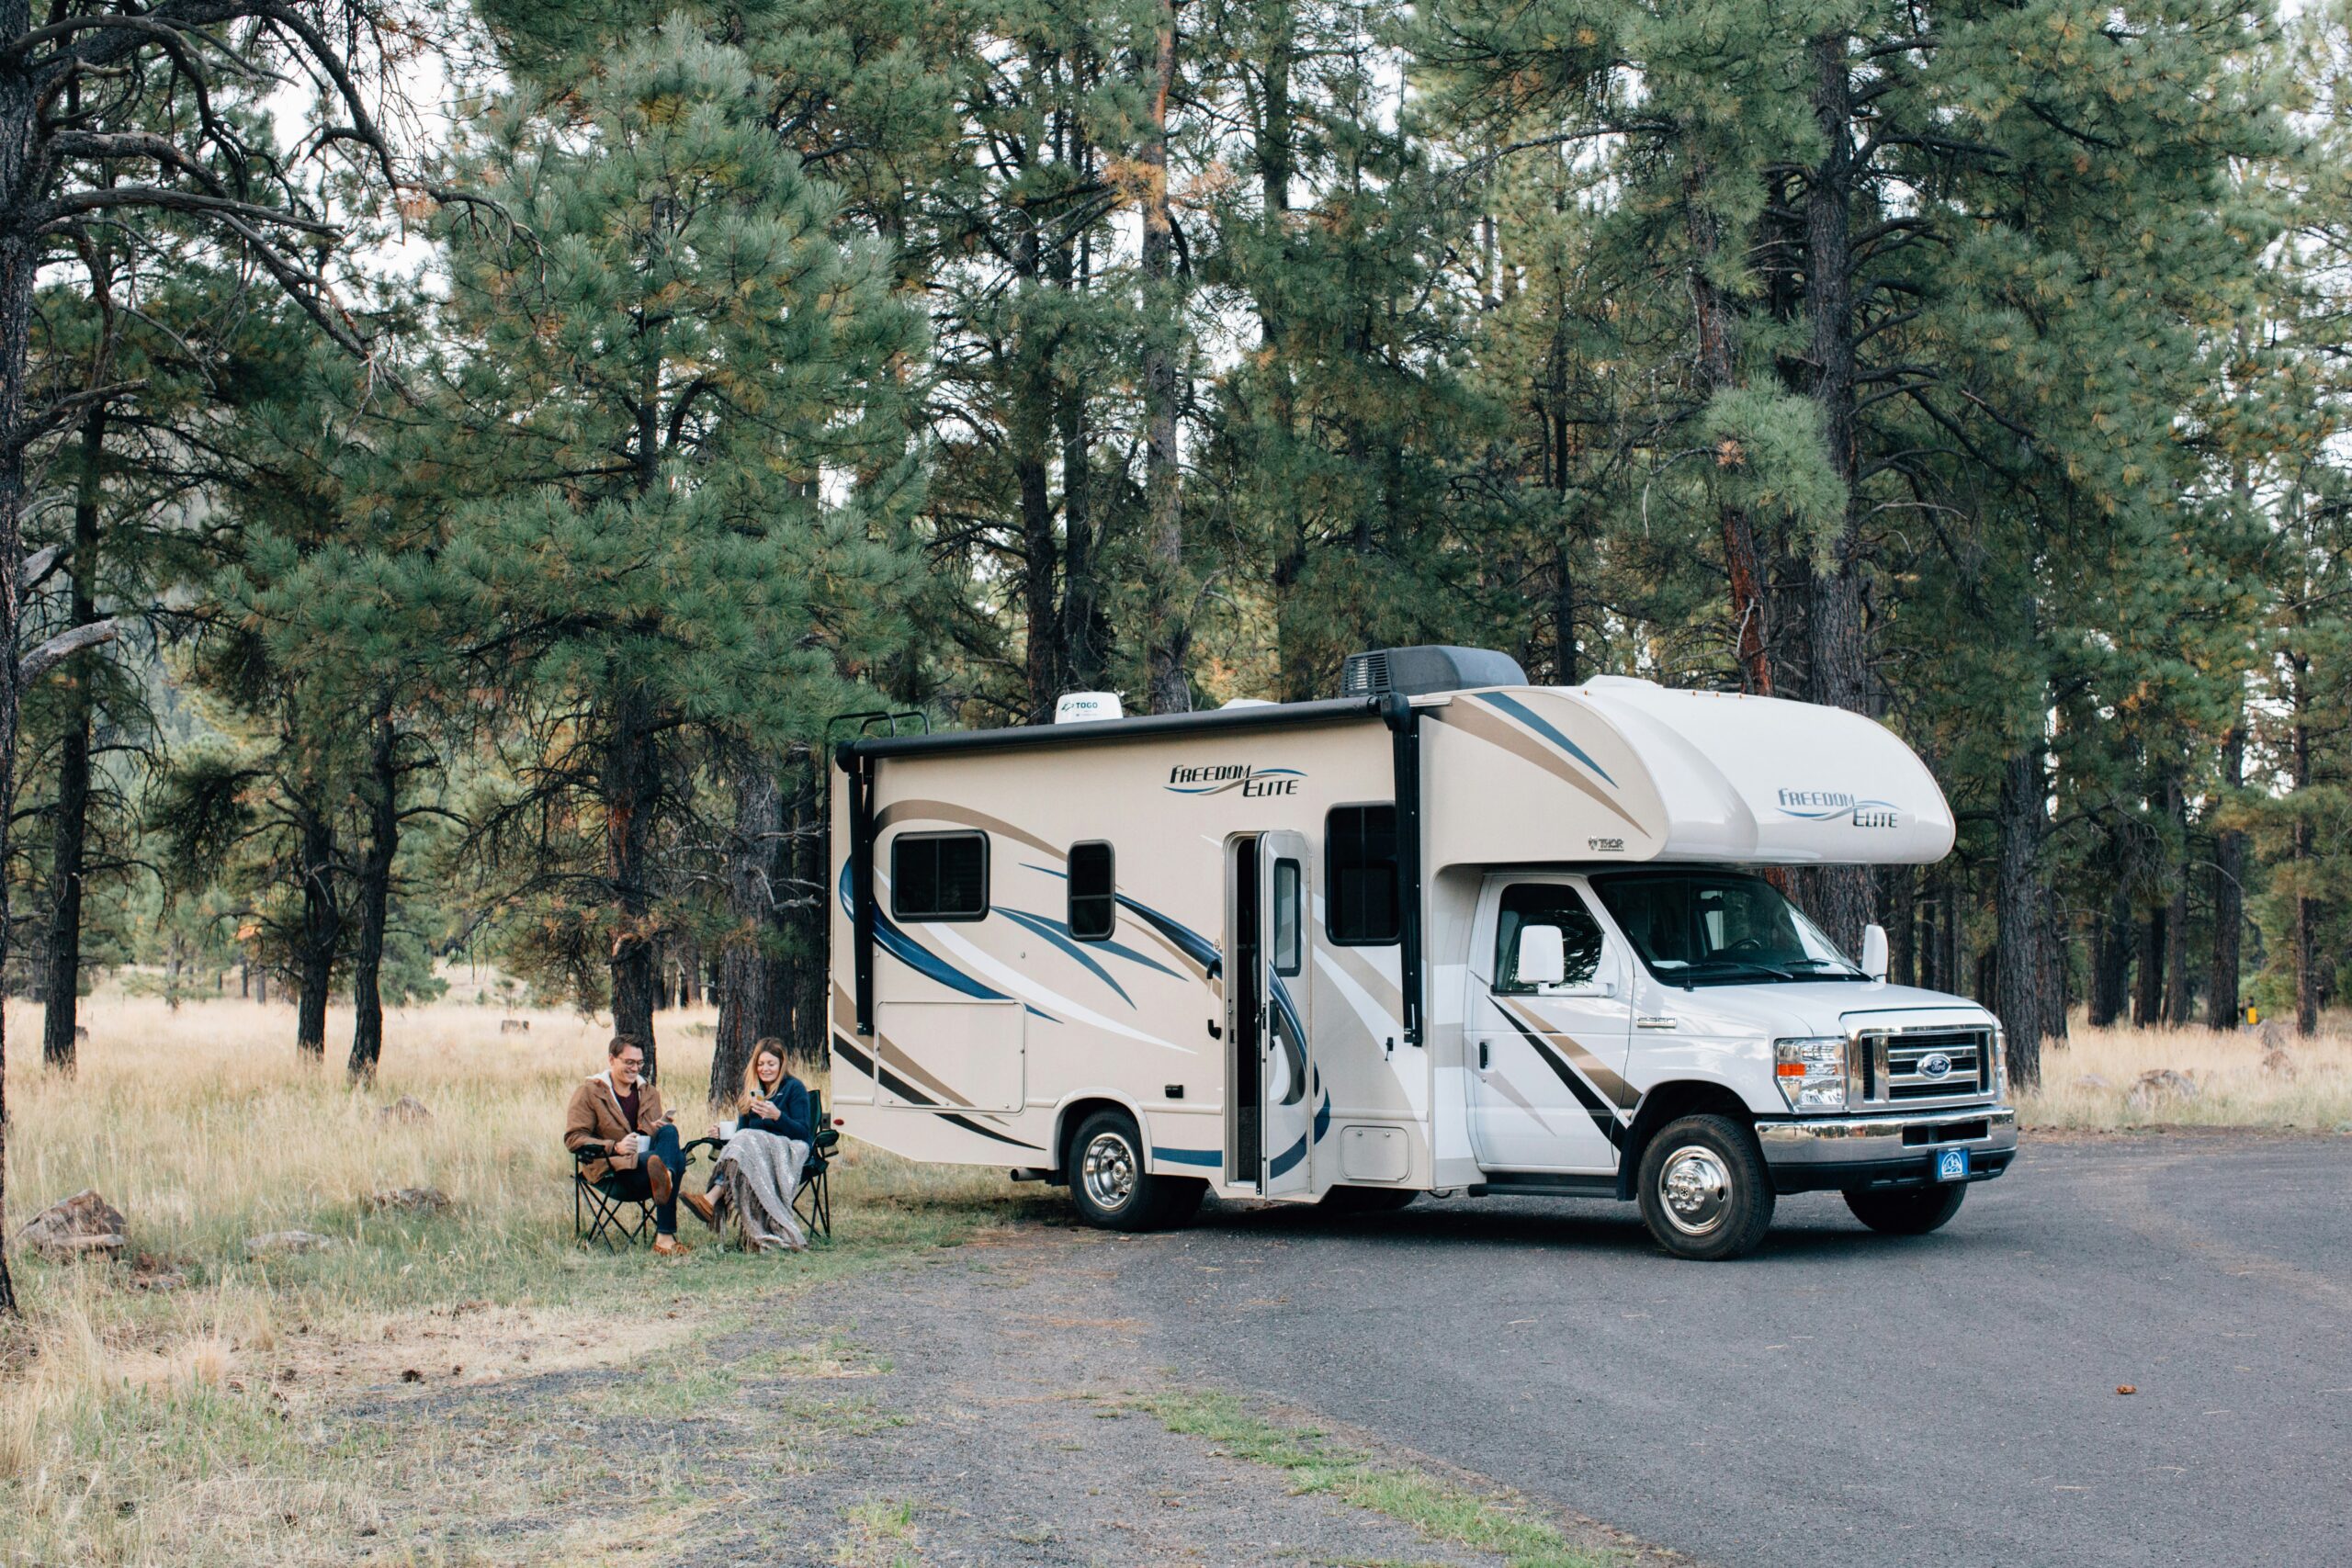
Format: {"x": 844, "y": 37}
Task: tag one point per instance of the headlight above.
{"x": 2000, "y": 1064}
{"x": 1811, "y": 1073}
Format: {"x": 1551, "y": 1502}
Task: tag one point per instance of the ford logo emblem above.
{"x": 1935, "y": 1065}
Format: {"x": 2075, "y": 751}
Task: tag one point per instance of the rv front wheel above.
{"x": 1111, "y": 1187}
{"x": 1705, "y": 1191}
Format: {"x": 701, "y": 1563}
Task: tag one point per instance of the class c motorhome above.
{"x": 1448, "y": 932}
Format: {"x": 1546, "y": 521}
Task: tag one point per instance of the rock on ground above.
{"x": 84, "y": 1225}
{"x": 2161, "y": 1086}
{"x": 407, "y": 1107}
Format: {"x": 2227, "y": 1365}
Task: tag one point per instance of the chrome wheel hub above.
{"x": 1696, "y": 1187}
{"x": 1109, "y": 1171}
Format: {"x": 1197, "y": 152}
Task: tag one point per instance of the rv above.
{"x": 1446, "y": 933}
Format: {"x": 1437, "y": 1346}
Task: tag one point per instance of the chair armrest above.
{"x": 827, "y": 1138}
{"x": 588, "y": 1151}
{"x": 686, "y": 1151}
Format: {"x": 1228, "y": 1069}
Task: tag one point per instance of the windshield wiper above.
{"x": 1845, "y": 970}
{"x": 1746, "y": 965}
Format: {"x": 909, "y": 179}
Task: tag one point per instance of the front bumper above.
{"x": 1885, "y": 1151}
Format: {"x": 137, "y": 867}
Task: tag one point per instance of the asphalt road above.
{"x": 1841, "y": 1397}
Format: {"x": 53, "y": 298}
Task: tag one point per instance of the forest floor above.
{"x": 469, "y": 1386}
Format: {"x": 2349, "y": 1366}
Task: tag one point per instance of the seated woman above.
{"x": 759, "y": 1168}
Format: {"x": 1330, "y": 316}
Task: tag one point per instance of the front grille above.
{"x": 1894, "y": 1062}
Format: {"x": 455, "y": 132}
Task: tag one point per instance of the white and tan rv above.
{"x": 1448, "y": 932}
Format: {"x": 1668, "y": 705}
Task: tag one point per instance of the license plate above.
{"x": 1952, "y": 1164}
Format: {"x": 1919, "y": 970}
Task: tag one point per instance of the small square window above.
{"x": 1362, "y": 908}
{"x": 1094, "y": 892}
{"x": 939, "y": 876}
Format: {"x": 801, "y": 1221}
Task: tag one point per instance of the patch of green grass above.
{"x": 1440, "y": 1509}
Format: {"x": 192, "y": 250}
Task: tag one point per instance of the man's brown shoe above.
{"x": 669, "y": 1247}
{"x": 700, "y": 1203}
{"x": 657, "y": 1176}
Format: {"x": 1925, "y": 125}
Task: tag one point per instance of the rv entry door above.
{"x": 1275, "y": 1090}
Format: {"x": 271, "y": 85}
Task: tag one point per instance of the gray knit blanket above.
{"x": 751, "y": 1189}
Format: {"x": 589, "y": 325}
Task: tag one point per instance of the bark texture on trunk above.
{"x": 1716, "y": 324}
{"x": 2148, "y": 995}
{"x": 375, "y": 895}
{"x": 744, "y": 964}
{"x": 2222, "y": 1007}
{"x": 2176, "y": 987}
{"x": 2019, "y": 917}
{"x": 61, "y": 980}
{"x": 1838, "y": 660}
{"x": 631, "y": 790}
{"x": 2304, "y": 935}
{"x": 321, "y": 933}
{"x": 2112, "y": 960}
{"x": 19, "y": 259}
{"x": 1169, "y": 638}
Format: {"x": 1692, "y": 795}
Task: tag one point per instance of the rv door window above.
{"x": 1526, "y": 904}
{"x": 1094, "y": 892}
{"x": 1288, "y": 954}
{"x": 939, "y": 876}
{"x": 1360, "y": 848}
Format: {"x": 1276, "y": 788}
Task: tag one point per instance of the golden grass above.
{"x": 2089, "y": 1082}
{"x": 198, "y": 1422}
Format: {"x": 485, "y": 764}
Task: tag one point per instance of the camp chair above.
{"x": 599, "y": 1213}
{"x": 813, "y": 1203}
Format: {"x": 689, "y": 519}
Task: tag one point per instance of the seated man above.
{"x": 622, "y": 1112}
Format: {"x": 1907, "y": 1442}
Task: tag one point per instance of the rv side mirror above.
{"x": 1543, "y": 955}
{"x": 1874, "y": 952}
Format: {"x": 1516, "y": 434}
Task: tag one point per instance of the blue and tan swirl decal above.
{"x": 1503, "y": 720}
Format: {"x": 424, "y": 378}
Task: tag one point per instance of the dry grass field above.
{"x": 2092, "y": 1082}
{"x": 181, "y": 1408}
{"x": 191, "y": 1406}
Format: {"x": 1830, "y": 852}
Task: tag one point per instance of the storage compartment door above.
{"x": 952, "y": 1055}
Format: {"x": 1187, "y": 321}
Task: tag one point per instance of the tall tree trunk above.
{"x": 1839, "y": 664}
{"x": 631, "y": 788}
{"x": 2176, "y": 988}
{"x": 1718, "y": 360}
{"x": 2018, "y": 914}
{"x": 2148, "y": 995}
{"x": 375, "y": 893}
{"x": 1082, "y": 591}
{"x": 744, "y": 961}
{"x": 321, "y": 933}
{"x": 1031, "y": 432}
{"x": 2222, "y": 1004}
{"x": 19, "y": 260}
{"x": 807, "y": 983}
{"x": 2112, "y": 959}
{"x": 2304, "y": 936}
{"x": 1167, "y": 644}
{"x": 62, "y": 984}
{"x": 1900, "y": 896}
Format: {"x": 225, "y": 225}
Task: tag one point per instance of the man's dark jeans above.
{"x": 636, "y": 1186}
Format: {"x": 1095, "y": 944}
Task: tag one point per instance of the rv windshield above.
{"x": 1718, "y": 928}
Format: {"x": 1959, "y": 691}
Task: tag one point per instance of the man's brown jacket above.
{"x": 594, "y": 1116}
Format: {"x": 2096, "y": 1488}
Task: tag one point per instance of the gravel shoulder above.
{"x": 992, "y": 1404}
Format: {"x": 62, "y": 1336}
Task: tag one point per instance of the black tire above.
{"x": 1366, "y": 1199}
{"x": 1906, "y": 1210}
{"x": 1721, "y": 1191}
{"x": 1110, "y": 1186}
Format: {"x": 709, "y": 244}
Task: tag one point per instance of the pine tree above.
{"x": 679, "y": 392}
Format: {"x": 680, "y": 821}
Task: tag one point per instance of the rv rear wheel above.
{"x": 1705, "y": 1191}
{"x": 1111, "y": 1187}
{"x": 1366, "y": 1199}
{"x": 1911, "y": 1211}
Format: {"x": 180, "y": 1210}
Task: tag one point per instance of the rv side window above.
{"x": 1094, "y": 892}
{"x": 1528, "y": 904}
{"x": 939, "y": 876}
{"x": 1360, "y": 847}
{"x": 1288, "y": 954}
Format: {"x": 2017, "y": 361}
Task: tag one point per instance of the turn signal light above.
{"x": 1790, "y": 1069}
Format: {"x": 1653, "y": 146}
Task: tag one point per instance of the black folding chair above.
{"x": 601, "y": 1212}
{"x": 813, "y": 1203}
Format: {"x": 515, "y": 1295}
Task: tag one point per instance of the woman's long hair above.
{"x": 765, "y": 1046}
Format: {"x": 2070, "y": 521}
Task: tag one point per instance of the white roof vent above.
{"x": 1087, "y": 707}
